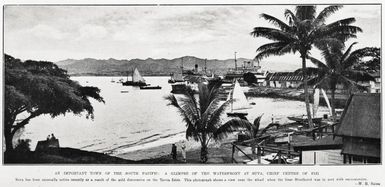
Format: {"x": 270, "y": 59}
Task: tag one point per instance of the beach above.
{"x": 218, "y": 152}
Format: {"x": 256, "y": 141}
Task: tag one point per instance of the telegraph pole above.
{"x": 235, "y": 60}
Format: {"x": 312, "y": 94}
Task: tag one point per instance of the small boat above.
{"x": 112, "y": 80}
{"x": 239, "y": 101}
{"x": 303, "y": 119}
{"x": 150, "y": 87}
{"x": 137, "y": 79}
{"x": 124, "y": 91}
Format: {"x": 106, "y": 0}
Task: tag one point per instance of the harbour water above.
{"x": 133, "y": 119}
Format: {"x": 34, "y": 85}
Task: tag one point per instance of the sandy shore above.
{"x": 219, "y": 152}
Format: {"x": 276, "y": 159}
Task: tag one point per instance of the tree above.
{"x": 303, "y": 30}
{"x": 33, "y": 88}
{"x": 371, "y": 65}
{"x": 250, "y": 78}
{"x": 202, "y": 115}
{"x": 338, "y": 68}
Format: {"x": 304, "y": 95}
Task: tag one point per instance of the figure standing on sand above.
{"x": 183, "y": 147}
{"x": 173, "y": 152}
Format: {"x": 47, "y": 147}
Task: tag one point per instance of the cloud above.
{"x": 46, "y": 32}
{"x": 153, "y": 31}
{"x": 92, "y": 32}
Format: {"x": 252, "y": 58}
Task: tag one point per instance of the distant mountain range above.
{"x": 149, "y": 66}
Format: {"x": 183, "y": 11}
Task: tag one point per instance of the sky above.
{"x": 55, "y": 33}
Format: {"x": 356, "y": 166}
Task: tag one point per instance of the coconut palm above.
{"x": 202, "y": 113}
{"x": 339, "y": 68}
{"x": 303, "y": 30}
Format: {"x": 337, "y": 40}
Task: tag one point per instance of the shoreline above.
{"x": 218, "y": 152}
{"x": 291, "y": 94}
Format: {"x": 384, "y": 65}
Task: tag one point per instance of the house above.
{"x": 375, "y": 86}
{"x": 326, "y": 150}
{"x": 372, "y": 84}
{"x": 284, "y": 80}
{"x": 360, "y": 129}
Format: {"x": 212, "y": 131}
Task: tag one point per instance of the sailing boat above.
{"x": 239, "y": 101}
{"x": 137, "y": 79}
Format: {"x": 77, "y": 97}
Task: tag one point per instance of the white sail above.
{"x": 136, "y": 77}
{"x": 316, "y": 102}
{"x": 239, "y": 98}
{"x": 327, "y": 101}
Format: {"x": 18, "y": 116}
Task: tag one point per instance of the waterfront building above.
{"x": 326, "y": 150}
{"x": 283, "y": 80}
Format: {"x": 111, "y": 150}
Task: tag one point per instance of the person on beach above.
{"x": 173, "y": 152}
{"x": 183, "y": 146}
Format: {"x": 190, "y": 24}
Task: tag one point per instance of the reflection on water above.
{"x": 135, "y": 118}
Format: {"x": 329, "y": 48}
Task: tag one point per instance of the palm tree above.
{"x": 202, "y": 115}
{"x": 303, "y": 30}
{"x": 339, "y": 68}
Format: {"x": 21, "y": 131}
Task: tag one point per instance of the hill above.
{"x": 149, "y": 66}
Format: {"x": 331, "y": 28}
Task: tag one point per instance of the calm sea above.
{"x": 137, "y": 119}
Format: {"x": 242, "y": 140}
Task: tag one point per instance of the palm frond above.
{"x": 305, "y": 12}
{"x": 350, "y": 83}
{"x": 192, "y": 132}
{"x": 310, "y": 71}
{"x": 256, "y": 124}
{"x": 271, "y": 45}
{"x": 271, "y": 125}
{"x": 318, "y": 63}
{"x": 214, "y": 118}
{"x": 341, "y": 22}
{"x": 355, "y": 56}
{"x": 186, "y": 117}
{"x": 275, "y": 21}
{"x": 357, "y": 75}
{"x": 231, "y": 126}
{"x": 347, "y": 52}
{"x": 323, "y": 43}
{"x": 325, "y": 13}
{"x": 289, "y": 15}
{"x": 272, "y": 34}
{"x": 268, "y": 52}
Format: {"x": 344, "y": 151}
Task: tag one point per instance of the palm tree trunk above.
{"x": 204, "y": 151}
{"x": 305, "y": 87}
{"x": 332, "y": 100}
{"x": 8, "y": 142}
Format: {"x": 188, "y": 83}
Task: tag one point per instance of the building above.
{"x": 375, "y": 86}
{"x": 284, "y": 80}
{"x": 372, "y": 84}
{"x": 326, "y": 150}
{"x": 360, "y": 129}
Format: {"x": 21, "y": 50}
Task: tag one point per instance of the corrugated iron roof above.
{"x": 284, "y": 76}
{"x": 362, "y": 117}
